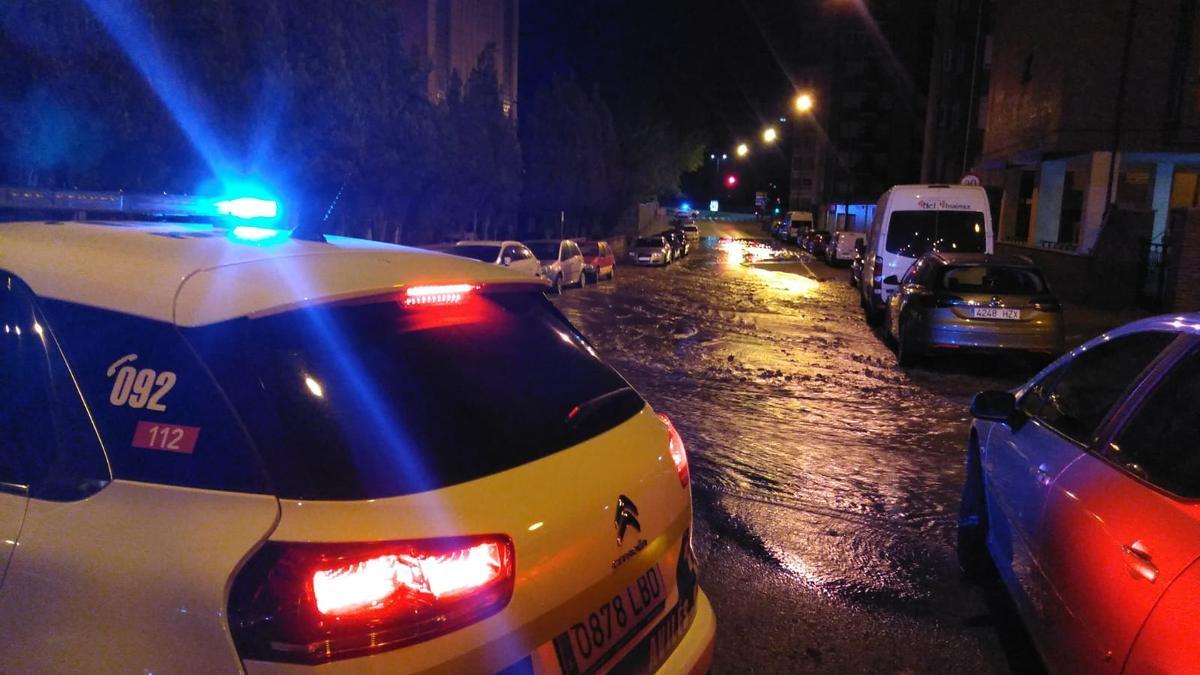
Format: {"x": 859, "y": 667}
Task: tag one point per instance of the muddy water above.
{"x": 809, "y": 447}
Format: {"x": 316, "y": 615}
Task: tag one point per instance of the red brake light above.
{"x": 310, "y": 603}
{"x": 445, "y": 294}
{"x": 678, "y": 452}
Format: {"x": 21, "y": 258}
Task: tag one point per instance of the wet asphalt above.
{"x": 826, "y": 479}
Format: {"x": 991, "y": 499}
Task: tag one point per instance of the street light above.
{"x": 804, "y": 103}
{"x": 743, "y": 150}
{"x": 769, "y": 135}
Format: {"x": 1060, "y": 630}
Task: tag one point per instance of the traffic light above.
{"x": 731, "y": 180}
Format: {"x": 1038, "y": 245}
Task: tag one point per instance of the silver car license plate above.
{"x": 996, "y": 313}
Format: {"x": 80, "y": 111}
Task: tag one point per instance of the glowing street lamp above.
{"x": 743, "y": 150}
{"x": 769, "y": 135}
{"x": 804, "y": 103}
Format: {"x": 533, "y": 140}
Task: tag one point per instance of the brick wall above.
{"x": 1110, "y": 276}
{"x": 1184, "y": 276}
{"x": 1066, "y": 273}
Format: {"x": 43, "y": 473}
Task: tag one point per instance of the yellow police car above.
{"x": 224, "y": 448}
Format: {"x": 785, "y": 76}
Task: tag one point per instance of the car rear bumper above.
{"x": 695, "y": 651}
{"x": 991, "y": 336}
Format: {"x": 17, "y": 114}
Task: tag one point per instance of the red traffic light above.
{"x": 731, "y": 180}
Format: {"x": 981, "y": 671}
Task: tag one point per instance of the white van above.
{"x": 911, "y": 220}
{"x": 797, "y": 223}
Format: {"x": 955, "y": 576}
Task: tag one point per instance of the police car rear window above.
{"x": 378, "y": 399}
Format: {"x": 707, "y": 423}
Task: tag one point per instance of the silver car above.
{"x": 655, "y": 250}
{"x": 973, "y": 301}
{"x": 562, "y": 262}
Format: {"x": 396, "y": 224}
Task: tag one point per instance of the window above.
{"x": 485, "y": 253}
{"x": 366, "y": 400}
{"x": 46, "y": 442}
{"x": 545, "y": 250}
{"x": 993, "y": 279}
{"x": 913, "y": 233}
{"x": 1089, "y": 385}
{"x": 513, "y": 253}
{"x": 1160, "y": 443}
{"x": 162, "y": 418}
{"x": 916, "y": 271}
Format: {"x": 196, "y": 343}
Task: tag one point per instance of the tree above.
{"x": 572, "y": 156}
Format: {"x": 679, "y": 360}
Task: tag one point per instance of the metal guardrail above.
{"x": 73, "y": 201}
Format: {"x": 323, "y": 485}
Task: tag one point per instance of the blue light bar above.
{"x": 248, "y": 208}
{"x": 252, "y": 234}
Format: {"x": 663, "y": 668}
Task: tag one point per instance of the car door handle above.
{"x": 1138, "y": 559}
{"x": 1043, "y": 474}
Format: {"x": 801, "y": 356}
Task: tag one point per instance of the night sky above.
{"x": 722, "y": 67}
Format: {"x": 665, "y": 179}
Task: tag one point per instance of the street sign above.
{"x": 970, "y": 178}
{"x": 714, "y": 206}
{"x": 760, "y": 199}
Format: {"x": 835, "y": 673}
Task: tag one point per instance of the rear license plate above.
{"x": 589, "y": 644}
{"x": 644, "y": 259}
{"x": 996, "y": 313}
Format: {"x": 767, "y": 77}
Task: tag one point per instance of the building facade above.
{"x": 449, "y": 36}
{"x": 1093, "y": 107}
{"x": 865, "y": 130}
{"x": 959, "y": 74}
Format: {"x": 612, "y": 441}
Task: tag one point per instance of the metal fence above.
{"x": 1152, "y": 277}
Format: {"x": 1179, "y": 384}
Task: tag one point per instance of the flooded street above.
{"x": 826, "y": 478}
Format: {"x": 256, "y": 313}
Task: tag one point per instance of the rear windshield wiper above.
{"x": 610, "y": 401}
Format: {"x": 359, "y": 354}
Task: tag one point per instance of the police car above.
{"x": 225, "y": 448}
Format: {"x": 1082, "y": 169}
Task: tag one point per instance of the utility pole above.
{"x": 1119, "y": 113}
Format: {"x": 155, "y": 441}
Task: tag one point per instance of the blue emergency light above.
{"x": 247, "y": 208}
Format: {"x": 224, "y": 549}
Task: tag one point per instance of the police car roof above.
{"x": 194, "y": 275}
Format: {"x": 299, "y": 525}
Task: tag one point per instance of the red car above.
{"x": 598, "y": 260}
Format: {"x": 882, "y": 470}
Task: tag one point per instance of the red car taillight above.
{"x": 678, "y": 452}
{"x": 878, "y": 274}
{"x": 311, "y": 603}
{"x": 444, "y": 294}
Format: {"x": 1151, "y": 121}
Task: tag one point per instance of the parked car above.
{"x": 1080, "y": 491}
{"x": 842, "y": 247}
{"x": 911, "y": 220}
{"x": 598, "y": 260}
{"x": 691, "y": 232}
{"x": 219, "y": 456}
{"x": 973, "y": 301}
{"x": 655, "y": 250}
{"x": 562, "y": 262}
{"x": 680, "y": 246}
{"x": 511, "y": 254}
{"x": 816, "y": 242}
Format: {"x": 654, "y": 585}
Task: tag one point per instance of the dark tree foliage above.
{"x": 321, "y": 98}
{"x": 324, "y": 102}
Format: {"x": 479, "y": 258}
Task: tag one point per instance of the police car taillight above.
{"x": 678, "y": 452}
{"x": 311, "y": 603}
{"x": 445, "y": 294}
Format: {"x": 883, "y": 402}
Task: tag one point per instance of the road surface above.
{"x": 826, "y": 479}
